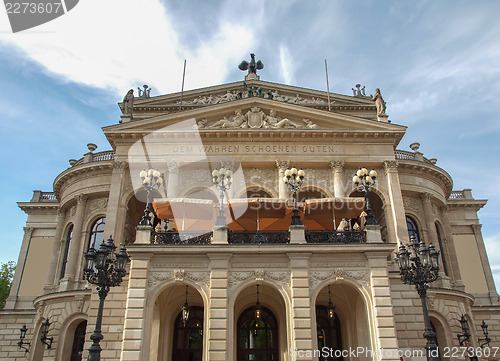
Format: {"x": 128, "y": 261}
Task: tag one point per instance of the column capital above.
{"x": 229, "y": 164}
{"x": 425, "y": 197}
{"x": 119, "y": 166}
{"x": 61, "y": 212}
{"x": 390, "y": 166}
{"x": 173, "y": 166}
{"x": 337, "y": 165}
{"x": 476, "y": 228}
{"x": 81, "y": 198}
{"x": 28, "y": 231}
{"x": 444, "y": 210}
{"x": 282, "y": 164}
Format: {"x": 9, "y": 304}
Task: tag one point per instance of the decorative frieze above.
{"x": 411, "y": 203}
{"x": 235, "y": 278}
{"x": 179, "y": 275}
{"x": 317, "y": 277}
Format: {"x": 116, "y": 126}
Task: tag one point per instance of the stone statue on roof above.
{"x": 379, "y": 102}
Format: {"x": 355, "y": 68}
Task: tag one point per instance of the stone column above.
{"x": 16, "y": 282}
{"x": 301, "y": 323}
{"x": 218, "y": 325}
{"x": 485, "y": 263}
{"x": 282, "y": 165}
{"x": 338, "y": 181}
{"x": 452, "y": 255}
{"x": 115, "y": 196}
{"x": 58, "y": 246}
{"x": 384, "y": 323}
{"x": 76, "y": 243}
{"x": 173, "y": 178}
{"x": 429, "y": 219}
{"x": 135, "y": 343}
{"x": 396, "y": 200}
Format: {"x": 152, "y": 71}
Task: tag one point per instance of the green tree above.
{"x": 6, "y": 276}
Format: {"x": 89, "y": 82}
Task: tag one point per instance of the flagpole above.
{"x": 183, "y": 77}
{"x": 327, "y": 87}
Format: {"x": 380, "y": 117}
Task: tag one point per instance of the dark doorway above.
{"x": 78, "y": 341}
{"x": 188, "y": 339}
{"x": 329, "y": 337}
{"x": 257, "y": 338}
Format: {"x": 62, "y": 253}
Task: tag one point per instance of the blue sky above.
{"x": 436, "y": 63}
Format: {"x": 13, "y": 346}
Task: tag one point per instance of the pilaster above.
{"x": 338, "y": 182}
{"x": 76, "y": 243}
{"x": 452, "y": 254}
{"x": 56, "y": 251}
{"x": 476, "y": 228}
{"x": 384, "y": 322}
{"x": 301, "y": 322}
{"x": 173, "y": 178}
{"x": 218, "y": 325}
{"x": 134, "y": 344}
{"x": 115, "y": 197}
{"x": 10, "y": 303}
{"x": 396, "y": 200}
{"x": 282, "y": 165}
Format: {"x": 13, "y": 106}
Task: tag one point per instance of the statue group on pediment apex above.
{"x": 255, "y": 118}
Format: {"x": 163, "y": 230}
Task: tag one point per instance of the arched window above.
{"x": 443, "y": 258}
{"x": 97, "y": 233}
{"x": 412, "y": 228}
{"x": 188, "y": 339}
{"x": 69, "y": 235}
{"x": 78, "y": 341}
{"x": 328, "y": 334}
{"x": 257, "y": 338}
{"x": 257, "y": 193}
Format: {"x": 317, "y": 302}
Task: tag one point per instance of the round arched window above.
{"x": 97, "y": 232}
{"x": 412, "y": 228}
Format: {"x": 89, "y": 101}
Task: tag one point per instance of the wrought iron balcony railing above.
{"x": 251, "y": 237}
{"x": 169, "y": 237}
{"x": 335, "y": 237}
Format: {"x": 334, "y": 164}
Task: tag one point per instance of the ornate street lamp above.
{"x": 23, "y": 345}
{"x": 151, "y": 180}
{"x": 293, "y": 179}
{"x": 419, "y": 267}
{"x": 464, "y": 337}
{"x": 366, "y": 180}
{"x": 105, "y": 269}
{"x": 486, "y": 340}
{"x": 258, "y": 307}
{"x": 222, "y": 179}
{"x": 185, "y": 309}
{"x": 45, "y": 330}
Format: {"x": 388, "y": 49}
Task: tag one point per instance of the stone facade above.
{"x": 259, "y": 137}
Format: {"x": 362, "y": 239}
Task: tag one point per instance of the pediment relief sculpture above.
{"x": 212, "y": 99}
{"x": 256, "y": 118}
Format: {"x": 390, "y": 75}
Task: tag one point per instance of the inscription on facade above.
{"x": 251, "y": 149}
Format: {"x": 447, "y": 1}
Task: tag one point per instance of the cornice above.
{"x": 79, "y": 170}
{"x": 433, "y": 172}
{"x": 57, "y": 296}
{"x": 29, "y": 206}
{"x": 476, "y": 204}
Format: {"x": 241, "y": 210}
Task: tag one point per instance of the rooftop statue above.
{"x": 128, "y": 102}
{"x": 144, "y": 93}
{"x": 253, "y": 66}
{"x": 379, "y": 102}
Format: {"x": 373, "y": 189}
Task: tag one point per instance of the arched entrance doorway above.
{"x": 188, "y": 338}
{"x": 329, "y": 334}
{"x": 78, "y": 341}
{"x": 257, "y": 337}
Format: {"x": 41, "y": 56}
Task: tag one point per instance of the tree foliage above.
{"x": 6, "y": 276}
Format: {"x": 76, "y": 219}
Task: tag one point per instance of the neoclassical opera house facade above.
{"x": 299, "y": 275}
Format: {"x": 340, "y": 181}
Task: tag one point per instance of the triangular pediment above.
{"x": 361, "y": 106}
{"x": 263, "y": 116}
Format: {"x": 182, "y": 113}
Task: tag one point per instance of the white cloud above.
{"x": 286, "y": 65}
{"x": 118, "y": 44}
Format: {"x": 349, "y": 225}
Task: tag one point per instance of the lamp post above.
{"x": 151, "y": 180}
{"x": 105, "y": 269}
{"x": 45, "y": 330}
{"x": 22, "y": 344}
{"x": 222, "y": 179}
{"x": 293, "y": 179}
{"x": 486, "y": 340}
{"x": 419, "y": 267}
{"x": 366, "y": 180}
